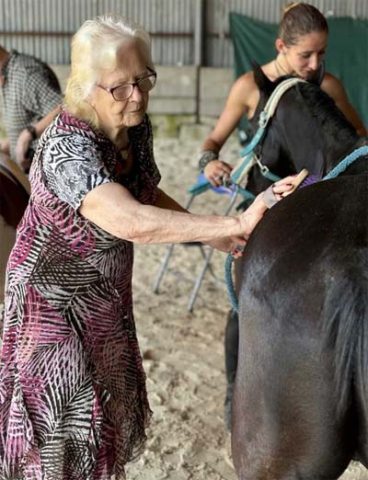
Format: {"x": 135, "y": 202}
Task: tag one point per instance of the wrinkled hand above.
{"x": 217, "y": 172}
{"x": 252, "y": 215}
{"x": 279, "y": 190}
{"x": 264, "y": 201}
{"x": 21, "y": 149}
{"x": 5, "y": 146}
{"x": 233, "y": 245}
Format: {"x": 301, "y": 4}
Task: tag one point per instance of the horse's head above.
{"x": 307, "y": 131}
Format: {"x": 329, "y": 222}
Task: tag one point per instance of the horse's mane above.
{"x": 320, "y": 105}
{"x": 330, "y": 118}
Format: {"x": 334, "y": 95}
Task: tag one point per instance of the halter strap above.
{"x": 346, "y": 162}
{"x": 273, "y": 101}
{"x": 248, "y": 160}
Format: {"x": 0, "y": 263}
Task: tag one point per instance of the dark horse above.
{"x": 300, "y": 409}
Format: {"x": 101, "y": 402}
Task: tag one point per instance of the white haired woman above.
{"x": 73, "y": 401}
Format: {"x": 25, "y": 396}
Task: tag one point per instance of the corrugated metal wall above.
{"x": 44, "y": 27}
{"x": 218, "y": 47}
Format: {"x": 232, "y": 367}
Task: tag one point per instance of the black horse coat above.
{"x": 300, "y": 406}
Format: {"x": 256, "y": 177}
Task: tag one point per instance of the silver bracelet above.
{"x": 206, "y": 157}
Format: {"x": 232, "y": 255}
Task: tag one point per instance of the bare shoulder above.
{"x": 245, "y": 91}
{"x": 335, "y": 89}
{"x": 245, "y": 84}
{"x": 332, "y": 86}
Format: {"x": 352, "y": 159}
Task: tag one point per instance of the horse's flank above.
{"x": 301, "y": 401}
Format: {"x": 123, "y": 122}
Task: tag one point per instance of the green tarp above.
{"x": 346, "y": 57}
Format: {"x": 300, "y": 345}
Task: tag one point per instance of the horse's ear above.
{"x": 263, "y": 82}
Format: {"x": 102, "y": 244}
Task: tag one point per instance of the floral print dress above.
{"x": 73, "y": 401}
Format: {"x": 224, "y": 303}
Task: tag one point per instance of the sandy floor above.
{"x": 183, "y": 352}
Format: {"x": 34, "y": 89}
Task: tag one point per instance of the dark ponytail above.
{"x": 300, "y": 19}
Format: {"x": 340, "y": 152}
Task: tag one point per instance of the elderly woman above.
{"x": 73, "y": 402}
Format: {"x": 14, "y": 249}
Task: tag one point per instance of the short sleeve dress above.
{"x": 73, "y": 401}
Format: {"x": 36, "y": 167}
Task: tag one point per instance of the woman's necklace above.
{"x": 280, "y": 71}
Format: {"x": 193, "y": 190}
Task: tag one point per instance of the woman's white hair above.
{"x": 94, "y": 50}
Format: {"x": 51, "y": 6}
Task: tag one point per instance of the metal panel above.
{"x": 44, "y": 27}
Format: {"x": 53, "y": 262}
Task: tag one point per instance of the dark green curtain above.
{"x": 346, "y": 57}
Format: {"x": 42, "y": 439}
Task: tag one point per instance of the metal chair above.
{"x": 207, "y": 252}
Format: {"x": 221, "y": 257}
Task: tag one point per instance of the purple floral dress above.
{"x": 73, "y": 401}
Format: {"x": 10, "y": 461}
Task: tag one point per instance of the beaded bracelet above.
{"x": 206, "y": 157}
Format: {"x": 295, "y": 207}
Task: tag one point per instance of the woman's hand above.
{"x": 217, "y": 172}
{"x": 264, "y": 201}
{"x": 282, "y": 188}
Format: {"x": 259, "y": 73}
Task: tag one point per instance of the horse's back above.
{"x": 300, "y": 406}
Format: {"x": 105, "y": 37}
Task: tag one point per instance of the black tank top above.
{"x": 253, "y": 122}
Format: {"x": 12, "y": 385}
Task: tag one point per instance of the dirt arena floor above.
{"x": 183, "y": 352}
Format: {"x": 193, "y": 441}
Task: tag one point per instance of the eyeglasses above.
{"x": 124, "y": 91}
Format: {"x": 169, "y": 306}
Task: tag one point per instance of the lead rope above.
{"x": 346, "y": 162}
{"x": 229, "y": 283}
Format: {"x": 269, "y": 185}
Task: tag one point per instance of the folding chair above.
{"x": 207, "y": 252}
{"x": 248, "y": 160}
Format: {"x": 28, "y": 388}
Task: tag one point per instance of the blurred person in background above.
{"x": 31, "y": 97}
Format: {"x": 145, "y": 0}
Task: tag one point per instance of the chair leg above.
{"x": 199, "y": 280}
{"x": 165, "y": 262}
{"x": 163, "y": 268}
{"x": 207, "y": 265}
{"x": 204, "y": 256}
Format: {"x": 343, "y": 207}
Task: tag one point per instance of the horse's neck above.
{"x": 304, "y": 133}
{"x": 338, "y": 148}
{"x": 316, "y": 140}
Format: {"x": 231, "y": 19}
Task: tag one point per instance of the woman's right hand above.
{"x": 217, "y": 172}
{"x": 254, "y": 213}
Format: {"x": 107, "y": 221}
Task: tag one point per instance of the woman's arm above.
{"x": 115, "y": 210}
{"x": 236, "y": 106}
{"x": 26, "y": 137}
{"x": 334, "y": 88}
{"x": 227, "y": 244}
